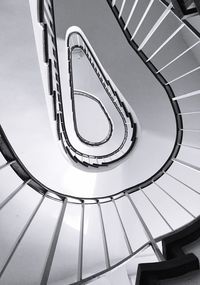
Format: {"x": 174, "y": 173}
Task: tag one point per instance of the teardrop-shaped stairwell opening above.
{"x": 139, "y": 86}
{"x": 87, "y": 75}
{"x": 90, "y": 131}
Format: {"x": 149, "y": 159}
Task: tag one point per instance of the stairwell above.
{"x": 57, "y": 234}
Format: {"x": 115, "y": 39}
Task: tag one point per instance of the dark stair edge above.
{"x": 153, "y": 273}
{"x": 182, "y": 9}
{"x": 173, "y": 244}
{"x": 177, "y": 262}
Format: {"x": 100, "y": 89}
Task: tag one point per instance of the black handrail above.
{"x": 129, "y": 116}
{"x": 170, "y": 94}
{"x": 59, "y": 117}
{"x": 81, "y": 93}
{"x": 17, "y": 165}
{"x": 25, "y": 175}
{"x": 19, "y": 168}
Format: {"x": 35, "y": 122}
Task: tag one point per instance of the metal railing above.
{"x": 129, "y": 194}
{"x": 91, "y": 97}
{"x": 46, "y": 193}
{"x": 47, "y": 21}
{"x": 76, "y": 40}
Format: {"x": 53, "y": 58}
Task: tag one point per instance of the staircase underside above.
{"x": 97, "y": 219}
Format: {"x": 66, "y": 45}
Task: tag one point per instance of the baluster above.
{"x": 7, "y": 164}
{"x": 121, "y": 9}
{"x": 142, "y": 19}
{"x": 131, "y": 13}
{"x": 47, "y": 268}
{"x": 155, "y": 26}
{"x": 186, "y": 164}
{"x": 190, "y": 94}
{"x": 157, "y": 210}
{"x": 123, "y": 229}
{"x": 80, "y": 253}
{"x": 164, "y": 191}
{"x": 189, "y": 146}
{"x": 177, "y": 57}
{"x": 113, "y": 2}
{"x": 183, "y": 75}
{"x": 105, "y": 244}
{"x": 21, "y": 235}
{"x": 186, "y": 185}
{"x": 146, "y": 230}
{"x": 166, "y": 41}
{"x": 2, "y": 204}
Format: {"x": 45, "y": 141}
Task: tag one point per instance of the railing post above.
{"x": 47, "y": 268}
{"x": 80, "y": 252}
{"x": 177, "y": 202}
{"x": 123, "y": 229}
{"x": 6, "y": 164}
{"x": 107, "y": 259}
{"x": 2, "y": 204}
{"x": 155, "y": 26}
{"x": 21, "y": 235}
{"x": 178, "y": 56}
{"x": 131, "y": 14}
{"x": 121, "y": 9}
{"x": 113, "y": 2}
{"x": 184, "y": 184}
{"x": 142, "y": 19}
{"x": 157, "y": 210}
{"x": 147, "y": 231}
{"x": 166, "y": 41}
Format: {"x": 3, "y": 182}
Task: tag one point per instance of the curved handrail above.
{"x": 57, "y": 96}
{"x": 16, "y": 164}
{"x": 172, "y": 98}
{"x": 92, "y": 97}
{"x": 170, "y": 94}
{"x": 168, "y": 89}
{"x": 25, "y": 175}
{"x": 101, "y": 75}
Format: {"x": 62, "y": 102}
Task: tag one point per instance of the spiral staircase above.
{"x": 125, "y": 209}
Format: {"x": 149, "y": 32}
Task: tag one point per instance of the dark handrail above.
{"x": 129, "y": 116}
{"x": 81, "y": 93}
{"x": 60, "y": 116}
{"x": 16, "y": 164}
{"x": 170, "y": 93}
{"x": 19, "y": 168}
